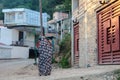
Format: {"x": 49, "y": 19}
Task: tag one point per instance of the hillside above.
{"x": 49, "y": 6}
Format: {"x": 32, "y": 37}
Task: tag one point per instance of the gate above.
{"x": 76, "y": 43}
{"x": 109, "y": 34}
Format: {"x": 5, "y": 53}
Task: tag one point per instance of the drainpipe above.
{"x": 86, "y": 36}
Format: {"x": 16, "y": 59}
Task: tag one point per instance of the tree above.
{"x": 48, "y": 6}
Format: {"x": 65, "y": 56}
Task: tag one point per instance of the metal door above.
{"x": 76, "y": 44}
{"x": 109, "y": 34}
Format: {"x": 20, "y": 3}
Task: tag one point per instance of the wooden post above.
{"x": 41, "y": 22}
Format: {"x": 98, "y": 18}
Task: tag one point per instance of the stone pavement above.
{"x": 25, "y": 70}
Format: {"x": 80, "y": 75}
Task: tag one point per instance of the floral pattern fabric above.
{"x": 45, "y": 57}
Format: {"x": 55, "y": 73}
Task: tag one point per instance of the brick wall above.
{"x": 86, "y": 15}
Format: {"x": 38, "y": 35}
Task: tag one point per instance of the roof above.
{"x": 23, "y": 9}
{"x": 49, "y": 34}
{"x": 13, "y": 10}
{"x": 55, "y": 21}
{"x": 52, "y": 21}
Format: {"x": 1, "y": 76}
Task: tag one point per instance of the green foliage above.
{"x": 65, "y": 44}
{"x": 118, "y": 74}
{"x": 65, "y": 51}
{"x": 64, "y": 63}
{"x": 7, "y": 4}
{"x": 53, "y": 60}
{"x": 64, "y": 7}
{"x": 47, "y": 5}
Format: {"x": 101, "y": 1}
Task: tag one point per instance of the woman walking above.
{"x": 45, "y": 57}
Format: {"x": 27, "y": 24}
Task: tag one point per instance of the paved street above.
{"x": 25, "y": 70}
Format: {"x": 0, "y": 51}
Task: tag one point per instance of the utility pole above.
{"x": 41, "y": 30}
{"x": 41, "y": 22}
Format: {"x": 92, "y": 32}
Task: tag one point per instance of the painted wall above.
{"x": 15, "y": 35}
{"x": 29, "y": 39}
{"x": 7, "y": 52}
{"x": 59, "y": 16}
{"x": 19, "y": 52}
{"x": 5, "y": 35}
{"x": 23, "y": 16}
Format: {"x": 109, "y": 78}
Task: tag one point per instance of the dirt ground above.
{"x": 25, "y": 70}
{"x": 20, "y": 70}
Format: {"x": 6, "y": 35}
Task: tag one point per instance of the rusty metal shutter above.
{"x": 109, "y": 34}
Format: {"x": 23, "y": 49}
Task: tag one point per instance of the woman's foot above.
{"x": 48, "y": 73}
{"x": 40, "y": 74}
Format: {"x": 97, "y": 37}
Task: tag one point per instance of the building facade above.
{"x": 7, "y": 38}
{"x": 91, "y": 36}
{"x": 58, "y": 27}
{"x": 20, "y": 32}
{"x": 60, "y": 24}
{"x": 25, "y": 25}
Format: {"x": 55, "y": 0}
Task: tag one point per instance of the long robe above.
{"x": 45, "y": 57}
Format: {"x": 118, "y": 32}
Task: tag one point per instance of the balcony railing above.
{"x": 23, "y": 43}
{"x": 51, "y": 31}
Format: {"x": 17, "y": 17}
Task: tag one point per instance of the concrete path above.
{"x": 25, "y": 70}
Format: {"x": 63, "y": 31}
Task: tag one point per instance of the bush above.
{"x": 64, "y": 63}
{"x": 53, "y": 60}
{"x": 65, "y": 44}
{"x": 65, "y": 51}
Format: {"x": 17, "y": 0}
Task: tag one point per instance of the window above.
{"x": 10, "y": 17}
{"x": 20, "y": 15}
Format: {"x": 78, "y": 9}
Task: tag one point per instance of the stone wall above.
{"x": 88, "y": 33}
{"x": 86, "y": 15}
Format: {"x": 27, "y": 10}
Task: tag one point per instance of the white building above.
{"x": 26, "y": 24}
{"x": 24, "y": 28}
{"x": 59, "y": 25}
{"x": 22, "y": 16}
{"x": 7, "y": 36}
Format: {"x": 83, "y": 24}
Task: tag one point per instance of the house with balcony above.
{"x": 59, "y": 25}
{"x": 23, "y": 26}
{"x": 26, "y": 23}
{"x": 95, "y": 32}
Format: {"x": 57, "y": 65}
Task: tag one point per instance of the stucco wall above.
{"x": 5, "y": 35}
{"x": 15, "y": 34}
{"x": 29, "y": 39}
{"x": 19, "y": 52}
{"x": 5, "y": 52}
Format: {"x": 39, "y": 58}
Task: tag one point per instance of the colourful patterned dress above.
{"x": 45, "y": 57}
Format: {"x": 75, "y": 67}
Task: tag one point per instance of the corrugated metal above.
{"x": 109, "y": 34}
